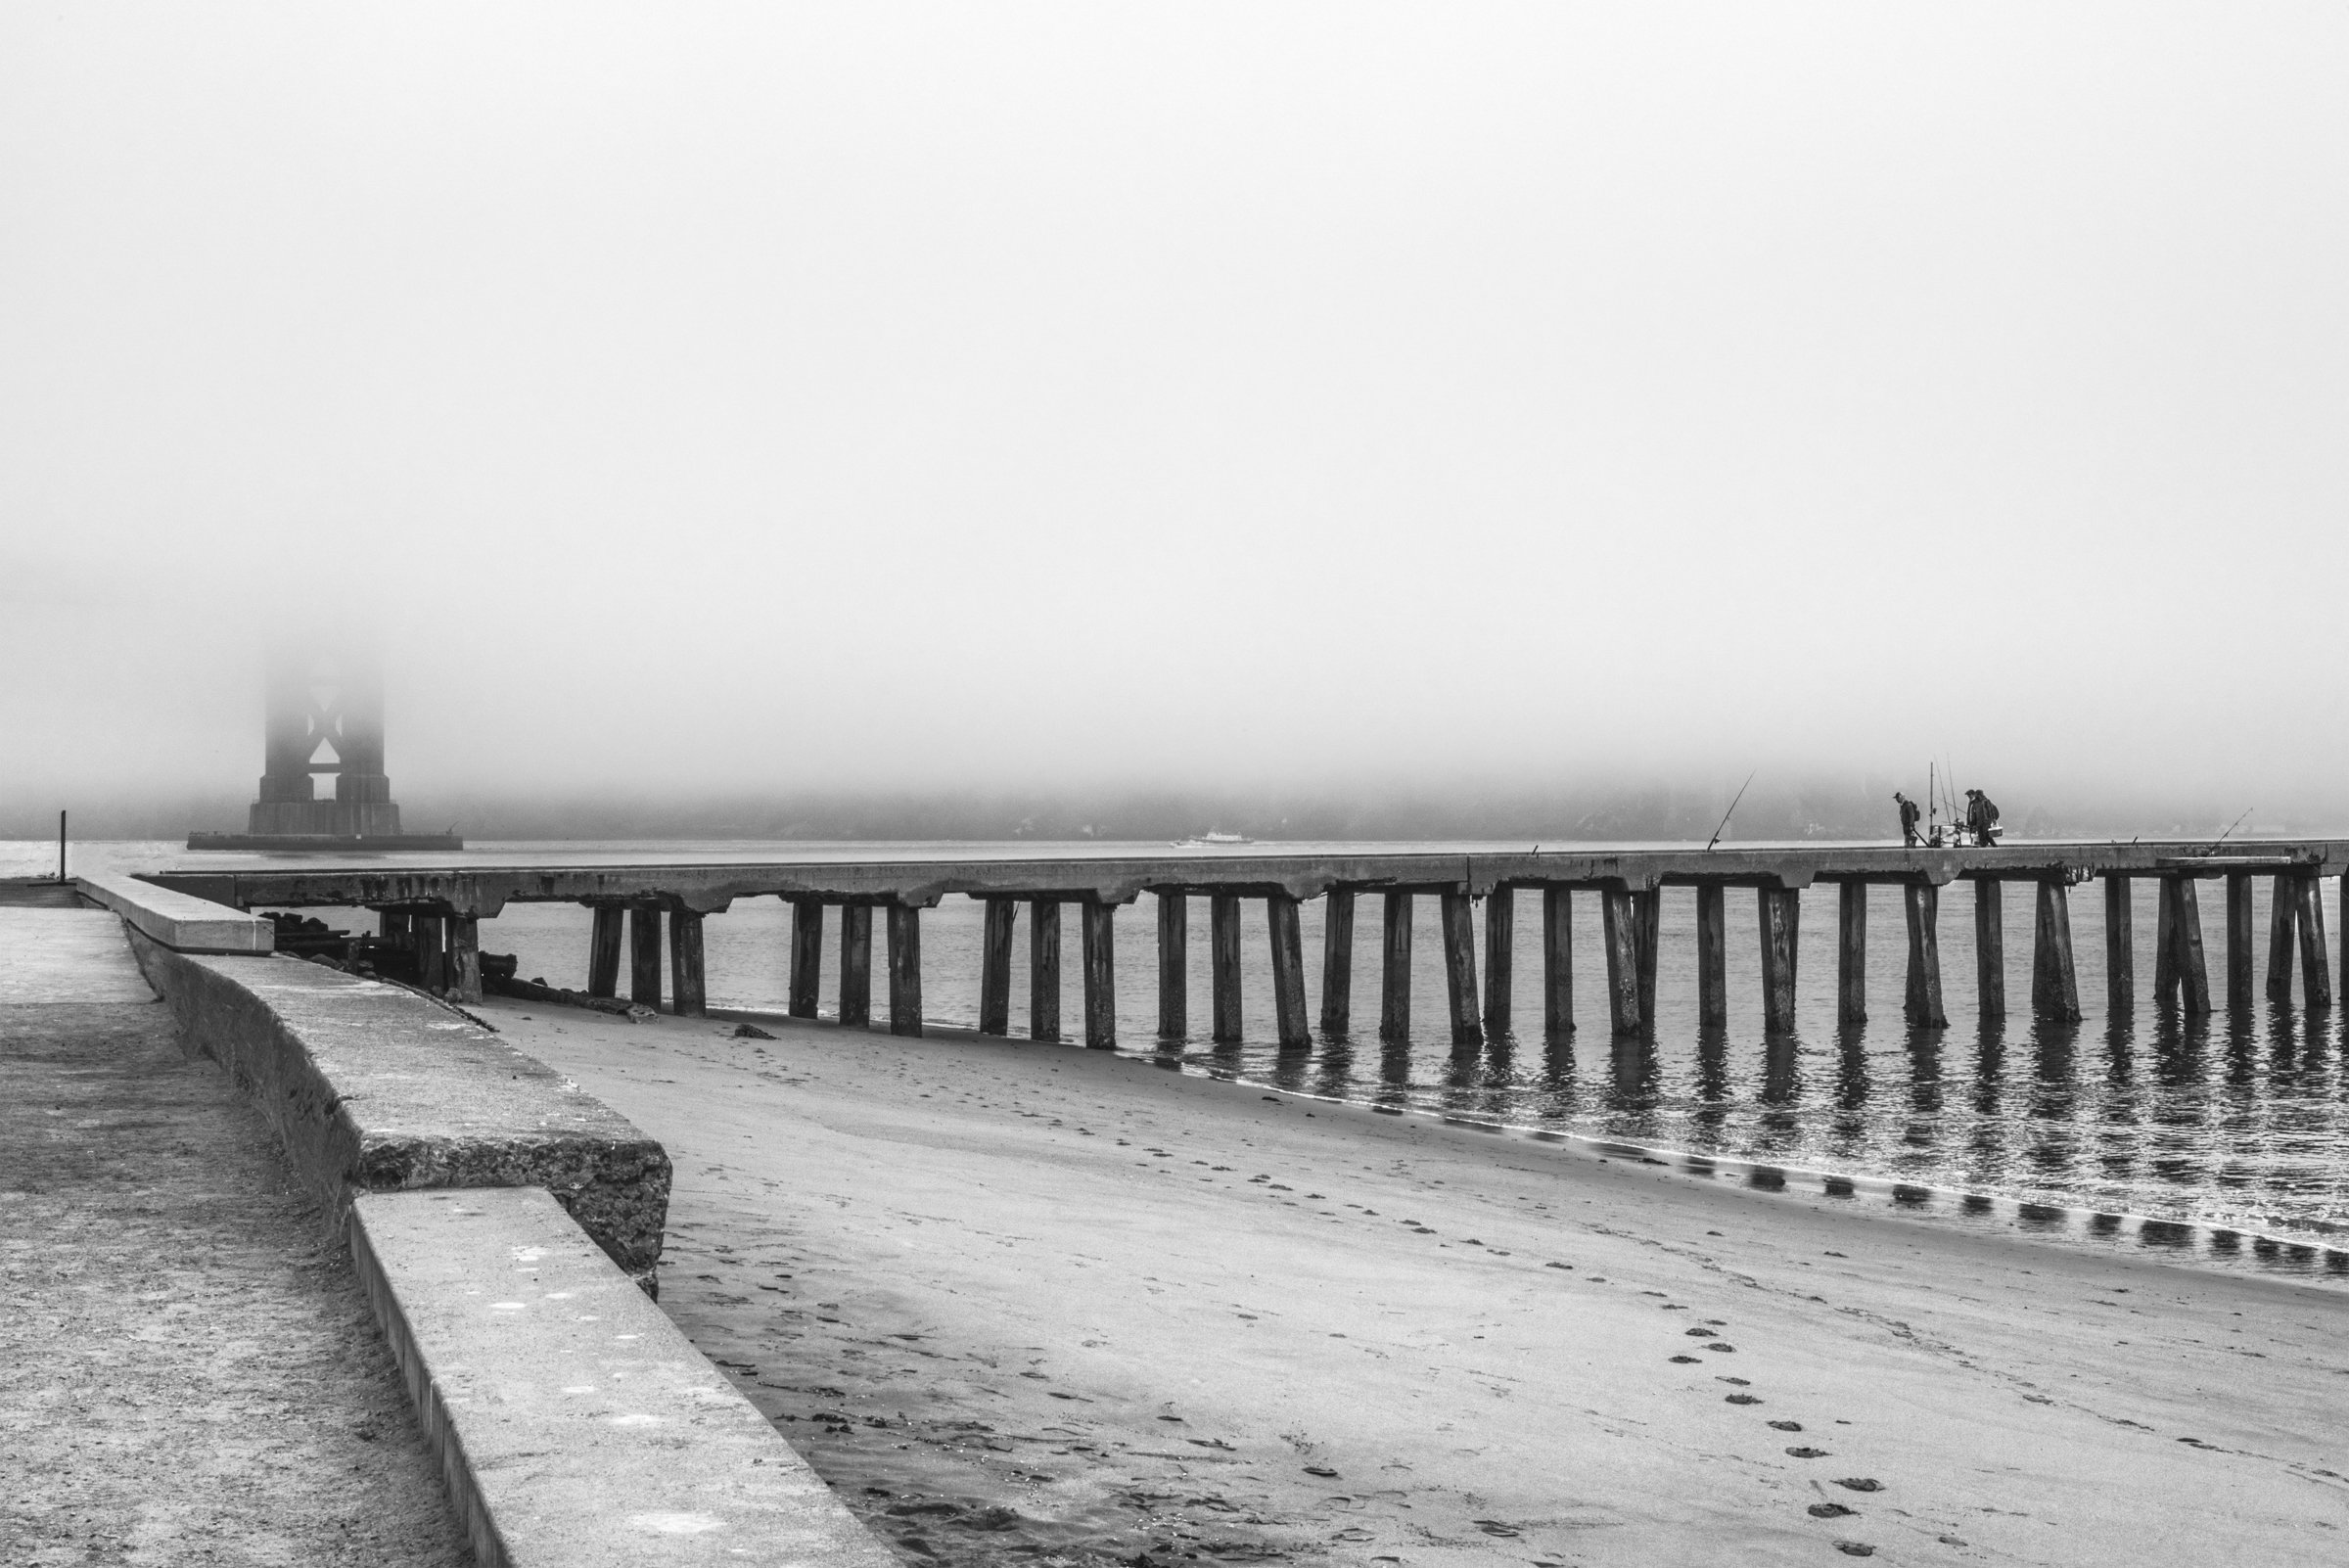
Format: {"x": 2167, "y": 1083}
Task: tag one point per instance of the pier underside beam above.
{"x": 1224, "y": 965}
{"x": 2282, "y": 924}
{"x": 1337, "y": 964}
{"x": 1781, "y": 913}
{"x": 465, "y": 958}
{"x": 2054, "y": 985}
{"x": 1500, "y": 959}
{"x": 806, "y": 956}
{"x": 995, "y": 966}
{"x": 1395, "y": 971}
{"x": 1100, "y": 975}
{"x": 686, "y": 975}
{"x": 1174, "y": 966}
{"x": 1619, "y": 934}
{"x": 1850, "y": 954}
{"x": 1921, "y": 1004}
{"x": 1557, "y": 964}
{"x": 1990, "y": 949}
{"x": 856, "y": 965}
{"x": 1711, "y": 955}
{"x": 2240, "y": 956}
{"x": 1043, "y": 969}
{"x": 602, "y": 951}
{"x": 644, "y": 955}
{"x": 1459, "y": 967}
{"x": 1648, "y": 926}
{"x": 1288, "y": 971}
{"x": 2315, "y": 969}
{"x": 2120, "y": 949}
{"x": 905, "y": 970}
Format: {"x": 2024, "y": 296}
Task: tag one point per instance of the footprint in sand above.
{"x": 1829, "y": 1511}
{"x": 1806, "y": 1453}
{"x": 1861, "y": 1483}
{"x": 1747, "y": 1399}
{"x": 1684, "y": 1361}
{"x": 1855, "y": 1549}
{"x": 1785, "y": 1426}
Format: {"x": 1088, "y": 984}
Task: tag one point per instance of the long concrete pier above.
{"x": 436, "y": 909}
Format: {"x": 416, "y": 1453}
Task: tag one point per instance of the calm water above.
{"x": 2239, "y": 1119}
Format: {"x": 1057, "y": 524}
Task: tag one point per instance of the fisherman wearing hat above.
{"x": 1909, "y": 816}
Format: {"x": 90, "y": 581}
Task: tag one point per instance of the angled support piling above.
{"x": 1459, "y": 967}
{"x": 1851, "y": 955}
{"x": 1337, "y": 964}
{"x": 806, "y": 955}
{"x": 2240, "y": 958}
{"x": 1619, "y": 931}
{"x": 2315, "y": 969}
{"x": 686, "y": 978}
{"x": 1922, "y": 1005}
{"x": 2120, "y": 949}
{"x": 905, "y": 970}
{"x": 602, "y": 951}
{"x": 1100, "y": 975}
{"x": 1781, "y": 912}
{"x": 1288, "y": 971}
{"x": 1557, "y": 964}
{"x": 2055, "y": 987}
{"x": 2284, "y": 905}
{"x": 1174, "y": 966}
{"x": 1043, "y": 969}
{"x": 2185, "y": 931}
{"x": 856, "y": 965}
{"x": 1990, "y": 949}
{"x": 995, "y": 966}
{"x": 644, "y": 955}
{"x": 1711, "y": 955}
{"x": 1224, "y": 965}
{"x": 1500, "y": 958}
{"x": 1395, "y": 972}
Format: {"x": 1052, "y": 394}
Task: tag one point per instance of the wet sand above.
{"x": 1022, "y": 1302}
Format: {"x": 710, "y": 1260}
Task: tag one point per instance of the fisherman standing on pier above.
{"x": 1909, "y": 816}
{"x": 1981, "y": 818}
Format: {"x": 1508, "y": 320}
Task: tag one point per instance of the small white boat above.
{"x": 1212, "y": 837}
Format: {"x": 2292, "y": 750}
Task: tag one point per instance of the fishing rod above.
{"x": 1732, "y": 812}
{"x": 2238, "y": 823}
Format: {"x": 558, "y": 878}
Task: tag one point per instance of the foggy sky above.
{"x": 1331, "y": 396}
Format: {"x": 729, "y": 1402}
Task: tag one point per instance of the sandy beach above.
{"x": 1014, "y": 1300}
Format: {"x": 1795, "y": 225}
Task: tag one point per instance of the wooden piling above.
{"x": 1647, "y": 924}
{"x": 1922, "y": 1005}
{"x": 1395, "y": 972}
{"x": 2194, "y": 977}
{"x": 686, "y": 982}
{"x": 1043, "y": 969}
{"x": 1459, "y": 967}
{"x": 1500, "y": 959}
{"x": 432, "y": 954}
{"x": 1173, "y": 965}
{"x": 1100, "y": 976}
{"x": 806, "y": 956}
{"x": 2283, "y": 903}
{"x": 1288, "y": 971}
{"x": 1781, "y": 911}
{"x": 1337, "y": 964}
{"x": 2315, "y": 969}
{"x": 602, "y": 951}
{"x": 2120, "y": 949}
{"x": 644, "y": 955}
{"x": 2239, "y": 957}
{"x": 1557, "y": 964}
{"x": 995, "y": 966}
{"x": 465, "y": 958}
{"x": 1990, "y": 949}
{"x": 856, "y": 965}
{"x": 1851, "y": 955}
{"x": 905, "y": 970}
{"x": 2165, "y": 944}
{"x": 1223, "y": 966}
{"x": 1619, "y": 932}
{"x": 2054, "y": 984}
{"x": 1711, "y": 955}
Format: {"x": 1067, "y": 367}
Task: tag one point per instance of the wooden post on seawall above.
{"x": 1500, "y": 958}
{"x": 806, "y": 956}
{"x": 2120, "y": 949}
{"x": 2054, "y": 985}
{"x": 2193, "y": 976}
{"x": 1990, "y": 948}
{"x": 1922, "y": 1006}
{"x": 1648, "y": 926}
{"x": 1850, "y": 954}
{"x": 856, "y": 965}
{"x": 1043, "y": 969}
{"x": 1337, "y": 964}
{"x": 432, "y": 954}
{"x": 1224, "y": 965}
{"x": 644, "y": 955}
{"x": 905, "y": 970}
{"x": 2239, "y": 955}
{"x": 603, "y": 949}
{"x": 1288, "y": 971}
{"x": 1100, "y": 976}
{"x": 2315, "y": 969}
{"x": 686, "y": 981}
{"x": 1395, "y": 972}
{"x": 995, "y": 966}
{"x": 1459, "y": 966}
{"x": 2282, "y": 927}
{"x": 465, "y": 958}
{"x": 1780, "y": 910}
{"x": 1620, "y": 934}
{"x": 1557, "y": 964}
{"x": 1711, "y": 955}
{"x": 1174, "y": 964}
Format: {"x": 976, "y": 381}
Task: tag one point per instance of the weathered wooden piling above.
{"x": 602, "y": 951}
{"x": 432, "y": 954}
{"x": 2185, "y": 931}
{"x": 2315, "y": 969}
{"x": 1288, "y": 971}
{"x": 1619, "y": 932}
{"x": 1921, "y": 1004}
{"x": 1337, "y": 964}
{"x": 1173, "y": 965}
{"x": 1781, "y": 913}
{"x": 1459, "y": 967}
{"x": 1557, "y": 964}
{"x": 465, "y": 958}
{"x": 905, "y": 970}
{"x": 1500, "y": 959}
{"x": 1043, "y": 969}
{"x": 2120, "y": 949}
{"x": 1395, "y": 971}
{"x": 1647, "y": 927}
{"x": 2284, "y": 905}
{"x": 2240, "y": 954}
{"x": 1990, "y": 948}
{"x": 1223, "y": 966}
{"x": 2165, "y": 942}
{"x": 1850, "y": 954}
{"x": 1711, "y": 955}
{"x": 686, "y": 977}
{"x": 806, "y": 956}
{"x": 2055, "y": 984}
{"x": 1100, "y": 976}
{"x": 995, "y": 965}
{"x": 857, "y": 964}
{"x": 644, "y": 955}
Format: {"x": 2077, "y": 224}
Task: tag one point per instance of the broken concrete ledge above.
{"x": 373, "y": 1087}
{"x": 178, "y": 920}
{"x": 574, "y": 1423}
